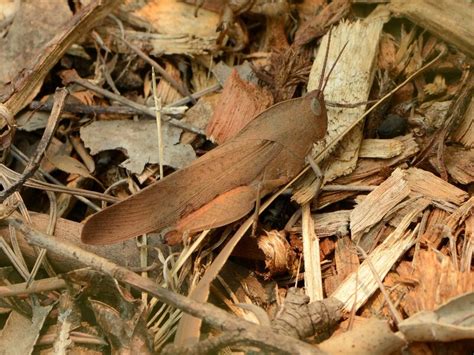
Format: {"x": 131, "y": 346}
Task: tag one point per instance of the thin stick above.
{"x": 71, "y": 77}
{"x": 157, "y": 101}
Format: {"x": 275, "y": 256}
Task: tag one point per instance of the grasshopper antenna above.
{"x": 330, "y": 71}
{"x": 325, "y": 61}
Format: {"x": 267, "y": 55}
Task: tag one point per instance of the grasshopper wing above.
{"x": 164, "y": 203}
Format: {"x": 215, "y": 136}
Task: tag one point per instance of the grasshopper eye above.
{"x": 315, "y": 106}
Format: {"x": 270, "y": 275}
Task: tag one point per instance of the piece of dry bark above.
{"x": 311, "y": 256}
{"x": 460, "y": 164}
{"x": 380, "y": 148}
{"x": 168, "y": 44}
{"x": 453, "y": 26}
{"x": 239, "y": 103}
{"x": 176, "y": 17}
{"x": 300, "y": 318}
{"x": 361, "y": 284}
{"x": 347, "y": 261}
{"x": 464, "y": 133}
{"x": 397, "y": 188}
{"x": 436, "y": 280}
{"x": 434, "y": 231}
{"x": 34, "y": 24}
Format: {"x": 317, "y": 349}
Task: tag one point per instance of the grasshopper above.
{"x": 221, "y": 186}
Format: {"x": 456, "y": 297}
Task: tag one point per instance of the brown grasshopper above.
{"x": 221, "y": 186}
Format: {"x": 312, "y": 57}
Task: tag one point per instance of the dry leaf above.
{"x": 69, "y": 165}
{"x": 139, "y": 140}
{"x": 372, "y": 337}
{"x": 21, "y": 333}
{"x": 450, "y": 322}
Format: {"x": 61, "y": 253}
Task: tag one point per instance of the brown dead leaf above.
{"x": 371, "y": 337}
{"x": 69, "y": 165}
{"x": 21, "y": 333}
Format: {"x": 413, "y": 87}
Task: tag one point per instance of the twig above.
{"x": 196, "y": 95}
{"x": 43, "y": 285}
{"x": 214, "y": 316}
{"x": 71, "y": 76}
{"x": 33, "y": 165}
{"x": 85, "y": 109}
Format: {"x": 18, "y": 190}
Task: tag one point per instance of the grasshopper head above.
{"x": 317, "y": 109}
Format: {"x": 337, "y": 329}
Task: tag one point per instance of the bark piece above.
{"x": 347, "y": 261}
{"x": 402, "y": 184}
{"x": 312, "y": 262}
{"x": 437, "y": 280}
{"x": 332, "y": 223}
{"x": 429, "y": 185}
{"x": 448, "y": 20}
{"x": 239, "y": 103}
{"x": 464, "y": 133}
{"x": 379, "y": 203}
{"x": 361, "y": 284}
{"x": 380, "y": 148}
{"x": 460, "y": 164}
{"x": 168, "y": 44}
{"x": 369, "y": 172}
{"x": 34, "y": 24}
{"x": 176, "y": 17}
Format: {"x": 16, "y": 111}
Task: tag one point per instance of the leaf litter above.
{"x": 367, "y": 250}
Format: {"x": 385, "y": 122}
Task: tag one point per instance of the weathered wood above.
{"x": 447, "y": 19}
{"x": 380, "y": 148}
